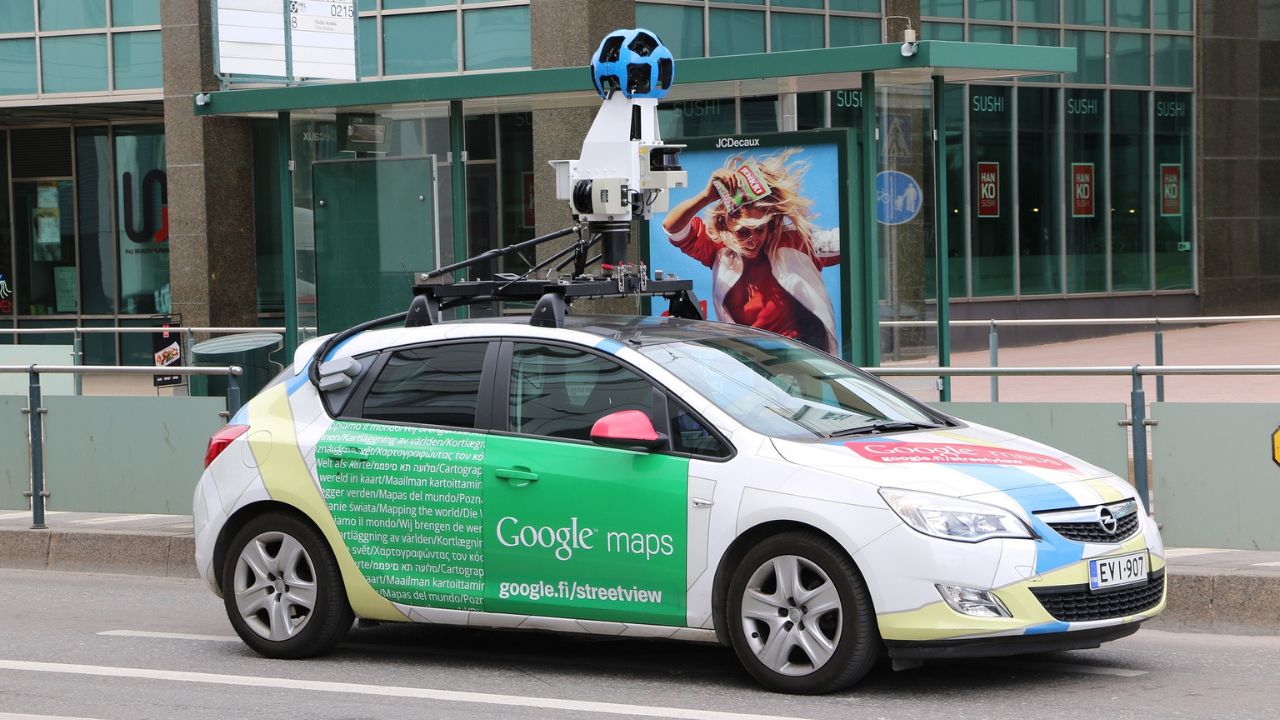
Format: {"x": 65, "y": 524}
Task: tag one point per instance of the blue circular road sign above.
{"x": 898, "y": 198}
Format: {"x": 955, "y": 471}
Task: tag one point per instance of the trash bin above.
{"x": 251, "y": 351}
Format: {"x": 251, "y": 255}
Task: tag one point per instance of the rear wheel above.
{"x": 283, "y": 590}
{"x": 800, "y": 616}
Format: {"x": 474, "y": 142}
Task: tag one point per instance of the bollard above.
{"x": 1138, "y": 418}
{"x": 38, "y": 494}
{"x": 993, "y": 343}
{"x": 1159, "y": 361}
{"x": 77, "y": 358}
{"x": 233, "y": 393}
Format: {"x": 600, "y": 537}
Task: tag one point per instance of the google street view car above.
{"x": 660, "y": 477}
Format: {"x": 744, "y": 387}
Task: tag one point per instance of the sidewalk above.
{"x": 1210, "y": 590}
{"x": 1252, "y": 343}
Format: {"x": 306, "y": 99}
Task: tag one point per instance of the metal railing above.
{"x": 993, "y": 336}
{"x": 187, "y": 333}
{"x": 35, "y": 410}
{"x": 1137, "y": 421}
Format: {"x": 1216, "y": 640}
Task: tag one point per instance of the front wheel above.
{"x": 800, "y": 616}
{"x": 283, "y": 590}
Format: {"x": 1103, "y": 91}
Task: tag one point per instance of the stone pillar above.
{"x": 1238, "y": 157}
{"x": 564, "y": 34}
{"x": 212, "y": 257}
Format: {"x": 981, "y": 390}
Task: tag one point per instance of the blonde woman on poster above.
{"x": 760, "y": 243}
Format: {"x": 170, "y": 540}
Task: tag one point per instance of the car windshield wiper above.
{"x": 887, "y": 426}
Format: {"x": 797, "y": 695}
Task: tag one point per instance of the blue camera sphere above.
{"x": 634, "y": 62}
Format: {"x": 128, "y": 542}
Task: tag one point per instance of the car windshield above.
{"x": 784, "y": 389}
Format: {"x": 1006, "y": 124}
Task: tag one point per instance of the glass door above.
{"x": 44, "y": 224}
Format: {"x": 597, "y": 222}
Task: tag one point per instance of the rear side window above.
{"x": 561, "y": 392}
{"x": 436, "y": 385}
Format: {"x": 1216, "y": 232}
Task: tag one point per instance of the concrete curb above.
{"x": 104, "y": 552}
{"x": 1226, "y": 598}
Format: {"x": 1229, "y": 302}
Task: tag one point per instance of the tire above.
{"x": 800, "y": 617}
{"x": 283, "y": 590}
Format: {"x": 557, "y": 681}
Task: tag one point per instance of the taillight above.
{"x": 221, "y": 440}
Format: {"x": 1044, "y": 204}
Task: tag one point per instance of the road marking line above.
{"x": 457, "y": 696}
{"x": 1266, "y": 564}
{"x": 1186, "y": 552}
{"x": 19, "y": 716}
{"x": 169, "y": 636}
{"x": 114, "y": 519}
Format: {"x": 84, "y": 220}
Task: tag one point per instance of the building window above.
{"x": 17, "y": 17}
{"x": 1038, "y": 247}
{"x": 125, "y": 13}
{"x": 1129, "y": 59}
{"x": 1092, "y": 62}
{"x": 1085, "y": 169}
{"x": 419, "y": 44}
{"x": 736, "y": 32}
{"x": 1130, "y": 198}
{"x": 990, "y": 9}
{"x": 18, "y": 67}
{"x": 137, "y": 60}
{"x": 1173, "y": 60}
{"x": 1174, "y": 205}
{"x": 679, "y": 27}
{"x": 793, "y": 31}
{"x": 74, "y": 63}
{"x": 496, "y": 38}
{"x": 72, "y": 14}
{"x": 991, "y": 177}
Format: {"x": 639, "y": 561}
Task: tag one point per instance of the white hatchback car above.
{"x": 656, "y": 477}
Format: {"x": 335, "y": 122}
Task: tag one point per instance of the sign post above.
{"x": 167, "y": 349}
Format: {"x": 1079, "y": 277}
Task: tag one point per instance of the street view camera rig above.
{"x": 623, "y": 173}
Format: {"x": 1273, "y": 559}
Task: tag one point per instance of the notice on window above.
{"x": 408, "y": 502}
{"x": 1082, "y": 190}
{"x": 1170, "y": 189}
{"x": 64, "y": 284}
{"x": 988, "y": 189}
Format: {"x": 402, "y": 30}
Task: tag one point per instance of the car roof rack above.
{"x": 436, "y": 290}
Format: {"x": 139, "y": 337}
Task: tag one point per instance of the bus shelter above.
{"x": 370, "y": 190}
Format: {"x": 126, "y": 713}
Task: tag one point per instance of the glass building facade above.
{"x": 1095, "y": 168}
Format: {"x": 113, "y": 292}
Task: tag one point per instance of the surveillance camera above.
{"x": 203, "y": 98}
{"x": 908, "y": 49}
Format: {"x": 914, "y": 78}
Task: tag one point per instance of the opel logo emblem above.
{"x": 1107, "y": 520}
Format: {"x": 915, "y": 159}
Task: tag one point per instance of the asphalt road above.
{"x": 110, "y": 647}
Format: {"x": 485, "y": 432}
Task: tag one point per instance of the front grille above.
{"x": 1076, "y": 603}
{"x": 1092, "y": 532}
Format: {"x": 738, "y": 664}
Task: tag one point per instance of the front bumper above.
{"x": 1010, "y": 645}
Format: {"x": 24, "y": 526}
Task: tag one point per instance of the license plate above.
{"x": 1117, "y": 571}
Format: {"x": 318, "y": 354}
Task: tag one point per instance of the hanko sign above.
{"x": 1082, "y": 187}
{"x": 988, "y": 190}
{"x": 1171, "y": 189}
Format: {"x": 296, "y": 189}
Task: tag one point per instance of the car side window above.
{"x": 690, "y": 435}
{"x": 561, "y": 392}
{"x": 433, "y": 385}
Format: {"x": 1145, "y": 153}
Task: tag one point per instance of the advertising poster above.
{"x": 759, "y": 231}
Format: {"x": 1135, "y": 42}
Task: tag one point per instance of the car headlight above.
{"x": 952, "y": 518}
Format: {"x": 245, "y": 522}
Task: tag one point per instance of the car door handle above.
{"x": 516, "y": 477}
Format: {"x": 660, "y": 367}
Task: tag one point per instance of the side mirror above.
{"x": 627, "y": 430}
